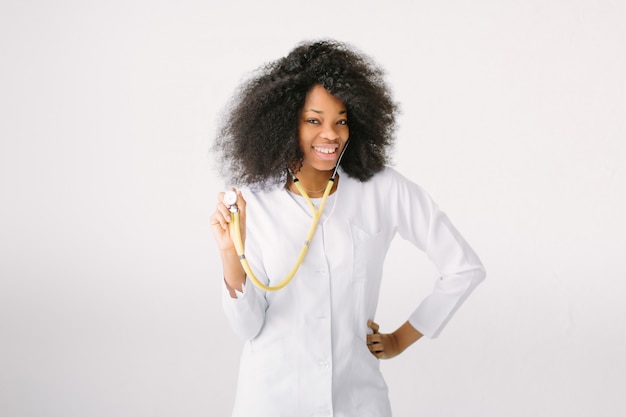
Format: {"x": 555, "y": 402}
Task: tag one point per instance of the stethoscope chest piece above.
{"x": 230, "y": 199}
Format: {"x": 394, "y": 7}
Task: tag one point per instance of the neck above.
{"x": 314, "y": 185}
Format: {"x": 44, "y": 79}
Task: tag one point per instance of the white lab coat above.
{"x": 305, "y": 352}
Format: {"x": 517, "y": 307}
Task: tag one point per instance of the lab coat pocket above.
{"x": 270, "y": 355}
{"x": 268, "y": 362}
{"x": 366, "y": 249}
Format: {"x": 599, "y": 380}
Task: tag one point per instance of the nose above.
{"x": 329, "y": 131}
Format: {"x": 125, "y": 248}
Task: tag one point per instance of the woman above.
{"x": 312, "y": 348}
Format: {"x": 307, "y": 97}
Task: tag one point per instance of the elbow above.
{"x": 481, "y": 274}
{"x": 245, "y": 324}
{"x": 246, "y": 331}
{"x": 478, "y": 275}
{"x": 245, "y": 315}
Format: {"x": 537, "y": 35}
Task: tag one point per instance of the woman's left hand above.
{"x": 388, "y": 345}
{"x": 382, "y": 345}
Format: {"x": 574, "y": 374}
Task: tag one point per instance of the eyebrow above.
{"x": 321, "y": 112}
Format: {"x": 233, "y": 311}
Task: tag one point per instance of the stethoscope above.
{"x": 230, "y": 199}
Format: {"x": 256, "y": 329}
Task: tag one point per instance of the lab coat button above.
{"x": 324, "y": 364}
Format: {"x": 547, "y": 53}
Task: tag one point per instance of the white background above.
{"x": 513, "y": 119}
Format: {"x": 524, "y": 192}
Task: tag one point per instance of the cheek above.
{"x": 304, "y": 137}
{"x": 345, "y": 133}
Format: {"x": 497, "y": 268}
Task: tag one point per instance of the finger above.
{"x": 241, "y": 203}
{"x": 376, "y": 347}
{"x": 374, "y": 338}
{"x": 217, "y": 220}
{"x": 377, "y": 350}
{"x": 222, "y": 212}
{"x": 221, "y": 215}
{"x": 372, "y": 325}
{"x": 240, "y": 199}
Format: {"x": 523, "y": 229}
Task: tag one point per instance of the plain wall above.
{"x": 513, "y": 119}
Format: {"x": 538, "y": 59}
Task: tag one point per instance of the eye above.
{"x": 342, "y": 122}
{"x": 313, "y": 121}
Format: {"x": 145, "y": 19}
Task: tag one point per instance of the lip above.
{"x": 323, "y": 155}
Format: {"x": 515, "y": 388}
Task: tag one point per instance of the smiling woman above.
{"x": 321, "y": 121}
{"x": 259, "y": 135}
{"x": 323, "y": 133}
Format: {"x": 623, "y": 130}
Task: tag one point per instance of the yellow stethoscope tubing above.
{"x": 235, "y": 232}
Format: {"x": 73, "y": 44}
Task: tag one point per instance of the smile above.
{"x": 325, "y": 150}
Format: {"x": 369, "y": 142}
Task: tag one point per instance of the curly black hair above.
{"x": 258, "y": 137}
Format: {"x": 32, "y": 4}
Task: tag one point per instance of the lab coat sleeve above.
{"x": 422, "y": 222}
{"x": 246, "y": 313}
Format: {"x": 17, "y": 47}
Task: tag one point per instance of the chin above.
{"x": 328, "y": 166}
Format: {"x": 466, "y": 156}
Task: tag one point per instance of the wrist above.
{"x": 229, "y": 253}
{"x": 405, "y": 336}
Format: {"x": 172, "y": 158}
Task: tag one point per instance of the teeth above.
{"x": 325, "y": 150}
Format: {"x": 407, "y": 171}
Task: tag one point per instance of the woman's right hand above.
{"x": 234, "y": 275}
{"x": 220, "y": 222}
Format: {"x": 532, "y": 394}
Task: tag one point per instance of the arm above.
{"x": 420, "y": 221}
{"x": 234, "y": 275}
{"x": 244, "y": 307}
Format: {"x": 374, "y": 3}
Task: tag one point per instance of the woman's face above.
{"x": 322, "y": 130}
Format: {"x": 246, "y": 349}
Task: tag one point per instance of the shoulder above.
{"x": 391, "y": 188}
{"x": 389, "y": 174}
{"x": 262, "y": 201}
{"x": 390, "y": 179}
{"x": 261, "y": 193}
